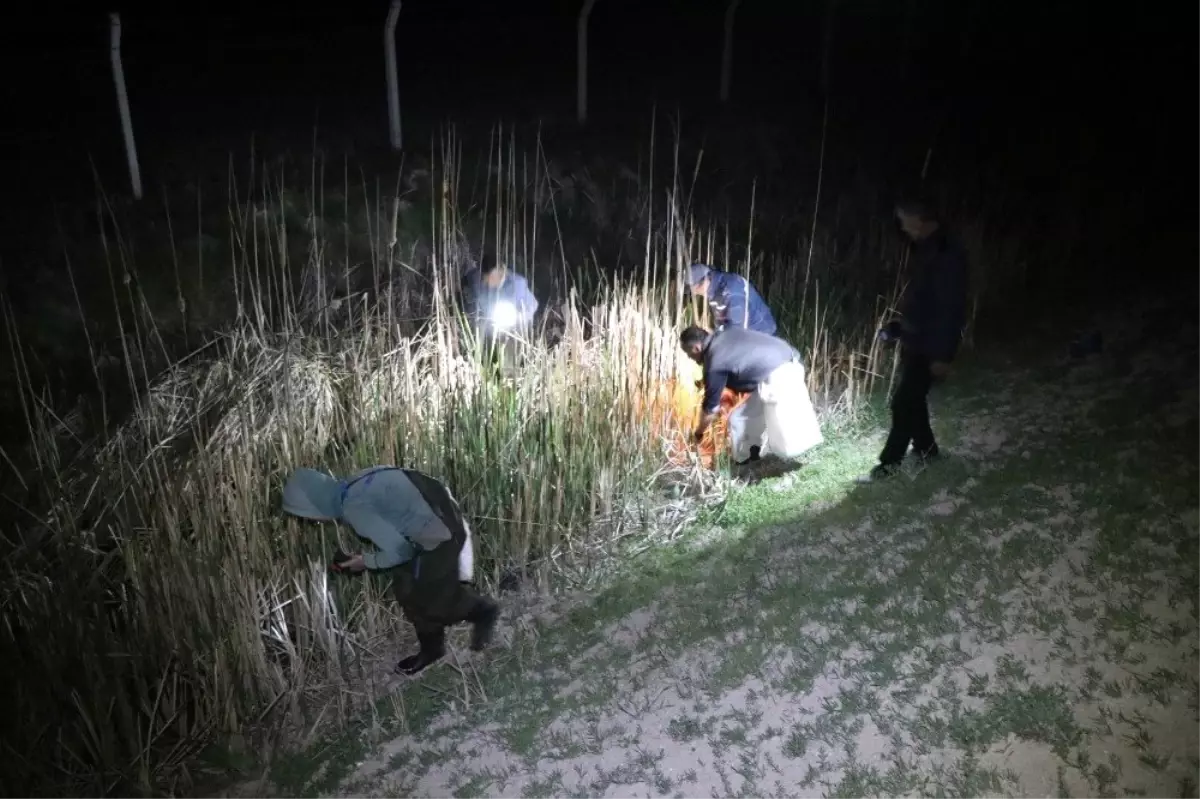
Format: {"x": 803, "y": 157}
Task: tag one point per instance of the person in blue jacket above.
{"x": 733, "y": 299}
{"x": 498, "y": 301}
{"x": 421, "y": 539}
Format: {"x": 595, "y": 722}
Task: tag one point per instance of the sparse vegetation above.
{"x": 832, "y": 649}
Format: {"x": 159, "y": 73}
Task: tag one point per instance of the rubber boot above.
{"x": 433, "y": 648}
{"x": 483, "y": 617}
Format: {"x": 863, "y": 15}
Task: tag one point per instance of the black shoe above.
{"x": 928, "y": 455}
{"x": 884, "y": 470}
{"x": 484, "y": 620}
{"x": 755, "y": 455}
{"x": 433, "y": 649}
{"x": 881, "y": 472}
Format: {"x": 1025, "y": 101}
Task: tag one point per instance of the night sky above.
{"x": 1114, "y": 82}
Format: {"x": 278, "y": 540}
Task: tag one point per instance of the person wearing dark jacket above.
{"x": 778, "y": 418}
{"x": 734, "y": 300}
{"x": 933, "y": 314}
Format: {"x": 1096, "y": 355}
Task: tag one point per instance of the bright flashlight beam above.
{"x": 504, "y": 315}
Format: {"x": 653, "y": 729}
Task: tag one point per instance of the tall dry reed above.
{"x": 162, "y": 599}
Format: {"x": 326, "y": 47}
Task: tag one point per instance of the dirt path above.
{"x": 1019, "y": 619}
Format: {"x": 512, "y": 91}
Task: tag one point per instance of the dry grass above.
{"x": 159, "y": 598}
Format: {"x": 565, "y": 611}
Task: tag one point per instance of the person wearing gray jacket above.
{"x": 421, "y": 540}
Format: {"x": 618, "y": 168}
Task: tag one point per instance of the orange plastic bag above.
{"x": 717, "y": 434}
{"x": 686, "y": 408}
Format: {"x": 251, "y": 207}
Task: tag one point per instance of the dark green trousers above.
{"x": 428, "y": 590}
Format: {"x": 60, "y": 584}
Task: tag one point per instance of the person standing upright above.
{"x": 500, "y": 309}
{"x": 933, "y": 314}
{"x": 497, "y": 300}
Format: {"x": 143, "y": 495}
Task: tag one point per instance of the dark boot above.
{"x": 925, "y": 456}
{"x": 483, "y": 618}
{"x": 882, "y": 471}
{"x": 433, "y": 648}
{"x": 755, "y": 455}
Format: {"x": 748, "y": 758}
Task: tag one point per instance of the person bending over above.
{"x": 778, "y": 418}
{"x": 421, "y": 540}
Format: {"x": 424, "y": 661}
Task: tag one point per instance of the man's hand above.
{"x": 892, "y": 331}
{"x": 354, "y": 564}
{"x": 706, "y": 420}
{"x": 939, "y": 369}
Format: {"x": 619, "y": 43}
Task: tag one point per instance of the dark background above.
{"x": 1039, "y": 93}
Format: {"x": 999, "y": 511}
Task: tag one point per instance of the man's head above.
{"x": 491, "y": 272}
{"x": 917, "y": 219}
{"x": 692, "y": 340}
{"x": 310, "y": 494}
{"x": 697, "y": 279}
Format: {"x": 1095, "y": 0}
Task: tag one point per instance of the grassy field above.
{"x": 1019, "y": 618}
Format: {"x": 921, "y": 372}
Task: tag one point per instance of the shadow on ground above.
{"x": 1017, "y": 619}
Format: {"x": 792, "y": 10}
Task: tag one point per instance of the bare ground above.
{"x": 1018, "y": 619}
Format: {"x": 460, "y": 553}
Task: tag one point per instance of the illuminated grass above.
{"x": 967, "y": 629}
{"x": 158, "y": 604}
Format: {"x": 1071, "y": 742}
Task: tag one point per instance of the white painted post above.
{"x": 393, "y": 85}
{"x": 581, "y": 108}
{"x": 135, "y": 174}
{"x": 727, "y": 50}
